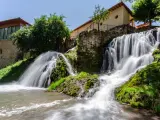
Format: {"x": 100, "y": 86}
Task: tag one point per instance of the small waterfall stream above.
{"x": 39, "y": 72}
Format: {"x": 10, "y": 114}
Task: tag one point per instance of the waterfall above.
{"x": 123, "y": 57}
{"x": 131, "y": 49}
{"x": 39, "y": 72}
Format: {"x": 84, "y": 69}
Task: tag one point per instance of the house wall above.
{"x": 81, "y": 29}
{"x": 126, "y": 16}
{"x": 112, "y": 21}
{"x": 8, "y": 53}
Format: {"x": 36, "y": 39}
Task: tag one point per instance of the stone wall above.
{"x": 8, "y": 53}
{"x": 91, "y": 47}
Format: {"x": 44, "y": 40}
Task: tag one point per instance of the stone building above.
{"x": 8, "y": 51}
{"x": 119, "y": 14}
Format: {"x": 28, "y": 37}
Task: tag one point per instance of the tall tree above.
{"x": 100, "y": 14}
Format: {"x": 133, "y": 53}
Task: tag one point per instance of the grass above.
{"x": 14, "y": 71}
{"x": 54, "y": 85}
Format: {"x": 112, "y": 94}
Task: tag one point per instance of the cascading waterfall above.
{"x": 123, "y": 57}
{"x": 38, "y": 74}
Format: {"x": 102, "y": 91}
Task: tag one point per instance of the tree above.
{"x": 22, "y": 38}
{"x": 145, "y": 10}
{"x": 47, "y": 33}
{"x": 99, "y": 15}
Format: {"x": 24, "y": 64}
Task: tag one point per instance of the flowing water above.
{"x": 123, "y": 57}
{"x": 38, "y": 74}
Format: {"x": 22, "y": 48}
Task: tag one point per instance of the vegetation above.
{"x": 99, "y": 15}
{"x": 143, "y": 89}
{"x": 14, "y": 71}
{"x": 74, "y": 85}
{"x": 156, "y": 55}
{"x": 60, "y": 71}
{"x": 47, "y": 33}
{"x": 72, "y": 57}
{"x": 146, "y": 10}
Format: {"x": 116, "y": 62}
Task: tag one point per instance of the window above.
{"x": 116, "y": 16}
{"x": 13, "y": 29}
{"x": 17, "y": 28}
{"x": 6, "y": 32}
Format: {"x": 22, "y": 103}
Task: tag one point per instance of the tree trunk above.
{"x": 150, "y": 23}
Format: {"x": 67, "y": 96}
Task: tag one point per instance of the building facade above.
{"x": 119, "y": 14}
{"x": 8, "y": 51}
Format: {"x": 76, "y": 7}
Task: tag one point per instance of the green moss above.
{"x": 143, "y": 89}
{"x": 14, "y": 71}
{"x": 90, "y": 60}
{"x": 60, "y": 71}
{"x": 73, "y": 85}
{"x": 72, "y": 57}
{"x": 156, "y": 55}
{"x": 55, "y": 84}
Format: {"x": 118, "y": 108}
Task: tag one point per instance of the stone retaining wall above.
{"x": 91, "y": 45}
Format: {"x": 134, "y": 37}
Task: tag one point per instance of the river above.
{"x": 24, "y": 103}
{"x": 36, "y": 104}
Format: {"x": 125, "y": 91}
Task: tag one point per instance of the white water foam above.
{"x": 16, "y": 87}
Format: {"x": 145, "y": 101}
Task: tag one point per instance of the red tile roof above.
{"x": 110, "y": 9}
{"x": 143, "y": 25}
{"x": 15, "y": 20}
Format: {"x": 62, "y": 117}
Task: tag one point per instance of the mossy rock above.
{"x": 143, "y": 89}
{"x": 60, "y": 71}
{"x": 71, "y": 55}
{"x": 74, "y": 85}
{"x": 14, "y": 71}
{"x": 156, "y": 55}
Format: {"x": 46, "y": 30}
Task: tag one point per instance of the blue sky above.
{"x": 76, "y": 11}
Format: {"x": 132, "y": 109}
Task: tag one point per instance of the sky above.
{"x": 76, "y": 11}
